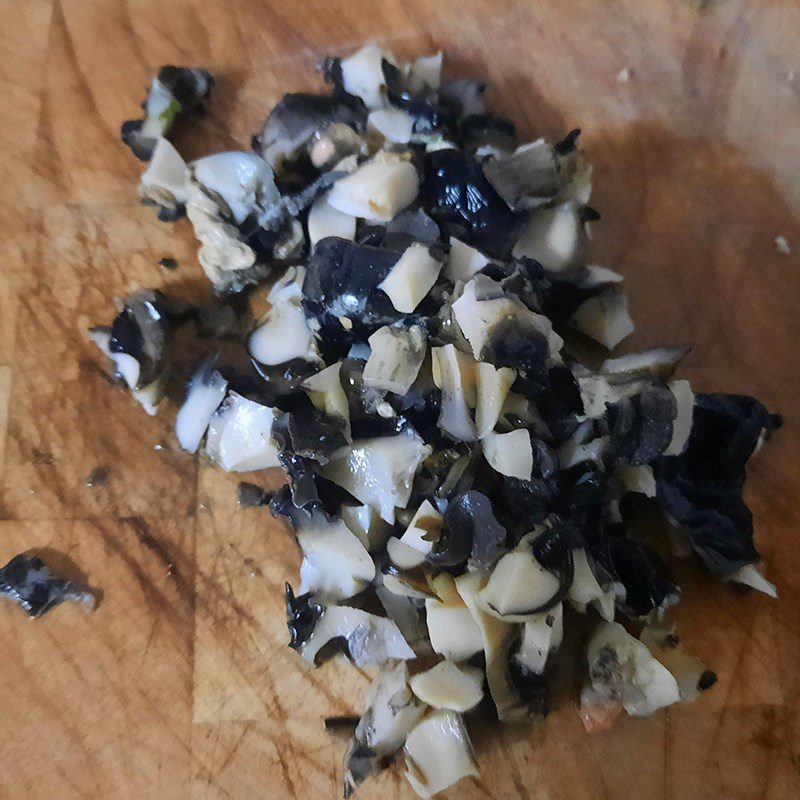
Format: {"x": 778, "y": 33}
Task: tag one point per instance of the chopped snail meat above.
{"x": 641, "y": 428}
{"x": 239, "y": 182}
{"x": 621, "y": 668}
{"x": 466, "y": 95}
{"x": 497, "y": 637}
{"x": 424, "y": 529}
{"x": 336, "y": 565}
{"x": 342, "y": 280}
{"x": 380, "y": 471}
{"x": 35, "y": 588}
{"x": 748, "y": 575}
{"x": 362, "y": 75}
{"x": 377, "y": 190}
{"x": 585, "y": 589}
{"x": 682, "y": 424}
{"x": 409, "y": 227}
{"x": 541, "y": 635}
{"x": 295, "y": 120}
{"x": 366, "y": 638}
{"x": 597, "y": 391}
{"x": 526, "y": 178}
{"x": 392, "y": 123}
{"x": 449, "y": 685}
{"x": 396, "y": 355}
{"x": 451, "y": 464}
{"x": 492, "y": 386}
{"x": 577, "y": 185}
{"x": 456, "y": 193}
{"x": 174, "y": 91}
{"x": 451, "y": 626}
{"x": 205, "y": 393}
{"x": 403, "y": 555}
{"x": 406, "y": 611}
{"x": 438, "y": 753}
{"x": 392, "y": 711}
{"x": 572, "y": 453}
{"x": 554, "y": 237}
{"x": 518, "y": 586}
{"x": 470, "y": 528}
{"x": 229, "y": 262}
{"x": 481, "y": 319}
{"x": 595, "y": 276}
{"x": 413, "y": 584}
{"x": 463, "y": 261}
{"x": 660, "y": 363}
{"x": 604, "y": 318}
{"x": 637, "y": 478}
{"x": 366, "y": 524}
{"x": 283, "y": 335}
{"x": 510, "y": 454}
{"x": 239, "y": 436}
{"x": 647, "y": 585}
{"x": 324, "y": 220}
{"x": 137, "y": 344}
{"x": 454, "y": 374}
{"x": 701, "y": 489}
{"x": 326, "y": 393}
{"x": 412, "y": 277}
{"x": 165, "y": 181}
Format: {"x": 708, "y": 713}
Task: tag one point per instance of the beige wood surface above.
{"x": 179, "y": 686}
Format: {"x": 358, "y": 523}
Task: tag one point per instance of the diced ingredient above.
{"x": 438, "y": 753}
{"x": 448, "y": 685}
{"x": 376, "y": 191}
{"x": 35, "y": 588}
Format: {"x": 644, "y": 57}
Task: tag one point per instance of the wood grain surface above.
{"x": 180, "y": 686}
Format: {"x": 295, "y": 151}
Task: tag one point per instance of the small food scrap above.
{"x": 449, "y": 685}
{"x": 33, "y": 586}
{"x": 748, "y": 575}
{"x": 455, "y": 476}
{"x": 204, "y": 395}
{"x": 707, "y": 680}
{"x": 782, "y": 245}
{"x": 438, "y": 753}
{"x": 173, "y": 92}
{"x": 137, "y": 342}
{"x": 392, "y": 711}
{"x": 98, "y": 477}
{"x": 622, "y": 669}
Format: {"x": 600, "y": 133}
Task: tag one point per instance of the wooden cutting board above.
{"x": 180, "y": 686}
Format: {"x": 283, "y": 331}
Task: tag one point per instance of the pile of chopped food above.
{"x": 459, "y": 483}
